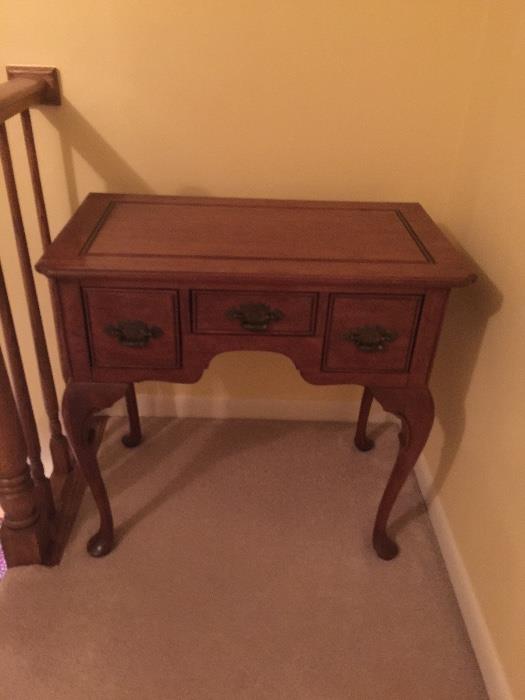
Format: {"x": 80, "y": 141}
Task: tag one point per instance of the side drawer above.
{"x": 250, "y": 313}
{"x": 371, "y": 332}
{"x": 132, "y": 328}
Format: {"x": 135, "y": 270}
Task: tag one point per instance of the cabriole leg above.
{"x": 415, "y": 407}
{"x": 81, "y": 401}
{"x": 134, "y": 437}
{"x": 361, "y": 440}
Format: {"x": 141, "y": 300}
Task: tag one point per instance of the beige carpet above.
{"x": 244, "y": 570}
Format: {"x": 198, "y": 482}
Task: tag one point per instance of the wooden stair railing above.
{"x": 38, "y": 511}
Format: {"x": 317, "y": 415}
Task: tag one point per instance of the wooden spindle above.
{"x": 36, "y": 181}
{"x": 58, "y": 444}
{"x": 24, "y": 533}
{"x": 23, "y": 401}
{"x": 43, "y": 225}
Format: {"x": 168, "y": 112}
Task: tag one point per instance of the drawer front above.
{"x": 131, "y": 328}
{"x": 371, "y": 332}
{"x": 253, "y": 313}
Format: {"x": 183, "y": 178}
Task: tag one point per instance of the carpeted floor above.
{"x": 244, "y": 570}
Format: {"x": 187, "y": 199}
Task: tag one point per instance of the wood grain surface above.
{"x": 110, "y": 235}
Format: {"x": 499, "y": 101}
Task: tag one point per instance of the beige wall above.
{"x": 363, "y": 99}
{"x": 359, "y": 100}
{"x": 476, "y": 449}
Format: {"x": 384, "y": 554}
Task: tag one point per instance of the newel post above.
{"x": 24, "y": 532}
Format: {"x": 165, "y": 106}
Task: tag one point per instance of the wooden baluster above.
{"x": 24, "y": 534}
{"x": 45, "y": 237}
{"x": 23, "y": 401}
{"x": 58, "y": 444}
{"x": 40, "y": 205}
{"x": 38, "y": 192}
{"x": 134, "y": 437}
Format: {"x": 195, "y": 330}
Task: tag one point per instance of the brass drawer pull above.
{"x": 370, "y": 338}
{"x": 133, "y": 334}
{"x": 254, "y": 317}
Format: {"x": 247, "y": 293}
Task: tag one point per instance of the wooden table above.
{"x": 152, "y": 288}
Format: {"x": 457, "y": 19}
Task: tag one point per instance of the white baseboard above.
{"x": 480, "y": 637}
{"x": 227, "y": 407}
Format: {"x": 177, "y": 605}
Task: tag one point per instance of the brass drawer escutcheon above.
{"x": 254, "y": 317}
{"x": 133, "y": 334}
{"x": 370, "y": 338}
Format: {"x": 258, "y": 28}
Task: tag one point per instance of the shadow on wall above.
{"x": 465, "y": 323}
{"x": 78, "y": 135}
{"x": 467, "y": 316}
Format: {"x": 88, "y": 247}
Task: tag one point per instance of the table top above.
{"x": 346, "y": 242}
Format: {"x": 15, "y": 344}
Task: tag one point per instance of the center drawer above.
{"x": 253, "y": 313}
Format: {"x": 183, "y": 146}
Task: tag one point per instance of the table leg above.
{"x": 415, "y": 407}
{"x": 134, "y": 437}
{"x": 361, "y": 440}
{"x": 80, "y": 402}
